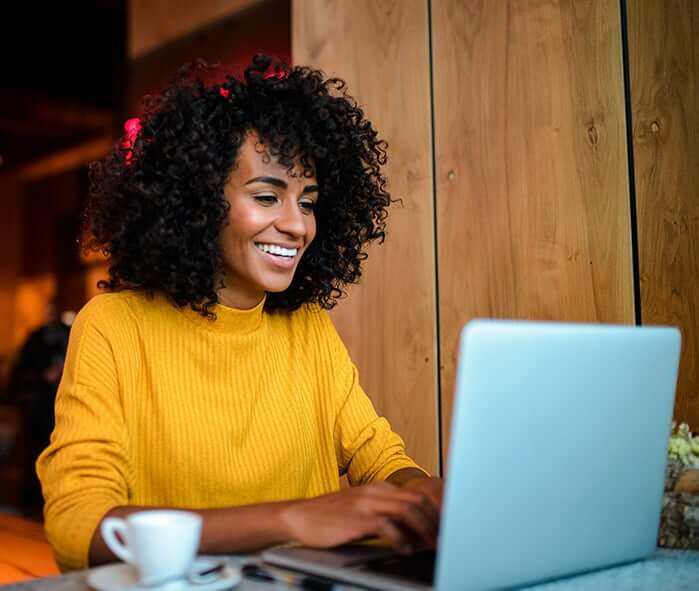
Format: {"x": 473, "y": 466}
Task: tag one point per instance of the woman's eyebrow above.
{"x": 270, "y": 180}
{"x": 277, "y": 182}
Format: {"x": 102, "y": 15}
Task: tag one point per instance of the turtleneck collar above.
{"x": 230, "y": 320}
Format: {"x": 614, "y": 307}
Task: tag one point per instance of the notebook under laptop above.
{"x": 556, "y": 461}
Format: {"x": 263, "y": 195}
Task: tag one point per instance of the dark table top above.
{"x": 667, "y": 570}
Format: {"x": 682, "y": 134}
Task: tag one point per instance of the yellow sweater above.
{"x": 159, "y": 406}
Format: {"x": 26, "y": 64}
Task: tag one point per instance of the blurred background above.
{"x": 545, "y": 153}
{"x": 72, "y": 73}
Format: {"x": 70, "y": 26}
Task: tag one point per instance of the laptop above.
{"x": 556, "y": 461}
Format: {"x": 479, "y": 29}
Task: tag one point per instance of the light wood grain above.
{"x": 388, "y": 322}
{"x": 664, "y": 67}
{"x": 532, "y": 189}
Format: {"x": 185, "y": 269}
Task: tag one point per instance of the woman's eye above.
{"x": 308, "y": 206}
{"x": 266, "y": 199}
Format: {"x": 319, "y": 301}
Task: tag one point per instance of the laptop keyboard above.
{"x": 417, "y": 567}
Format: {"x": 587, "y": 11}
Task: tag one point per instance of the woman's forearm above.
{"x": 228, "y": 530}
{"x": 404, "y": 475}
{"x": 403, "y": 515}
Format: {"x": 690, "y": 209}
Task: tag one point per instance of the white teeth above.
{"x": 278, "y": 250}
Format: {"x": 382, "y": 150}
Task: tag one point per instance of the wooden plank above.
{"x": 381, "y": 49}
{"x": 153, "y": 23}
{"x": 664, "y": 68}
{"x": 25, "y": 550}
{"x": 532, "y": 188}
{"x": 70, "y": 158}
{"x": 10, "y": 574}
{"x": 28, "y": 556}
{"x": 229, "y": 40}
{"x": 25, "y": 528}
{"x": 41, "y": 117}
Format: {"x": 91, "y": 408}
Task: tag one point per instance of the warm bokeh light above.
{"x": 32, "y": 298}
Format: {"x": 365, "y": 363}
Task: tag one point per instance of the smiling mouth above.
{"x": 278, "y": 255}
{"x": 277, "y": 250}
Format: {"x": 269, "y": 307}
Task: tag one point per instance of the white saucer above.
{"x": 124, "y": 577}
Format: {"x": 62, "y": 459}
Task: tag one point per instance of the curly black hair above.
{"x": 156, "y": 203}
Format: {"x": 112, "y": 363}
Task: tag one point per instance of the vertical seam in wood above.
{"x": 633, "y": 214}
{"x": 435, "y": 247}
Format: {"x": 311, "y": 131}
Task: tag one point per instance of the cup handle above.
{"x": 110, "y": 526}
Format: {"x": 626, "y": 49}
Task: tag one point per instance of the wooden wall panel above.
{"x": 664, "y": 68}
{"x": 388, "y": 322}
{"x": 532, "y": 191}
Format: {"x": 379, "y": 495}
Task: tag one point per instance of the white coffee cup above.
{"x": 161, "y": 544}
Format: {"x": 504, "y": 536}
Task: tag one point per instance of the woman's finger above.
{"x": 390, "y": 532}
{"x": 409, "y": 517}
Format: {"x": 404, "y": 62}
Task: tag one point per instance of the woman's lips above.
{"x": 278, "y": 261}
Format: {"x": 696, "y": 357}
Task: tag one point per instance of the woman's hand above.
{"x": 431, "y": 488}
{"x": 404, "y": 516}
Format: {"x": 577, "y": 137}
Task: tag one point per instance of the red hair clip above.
{"x": 279, "y": 75}
{"x": 132, "y": 127}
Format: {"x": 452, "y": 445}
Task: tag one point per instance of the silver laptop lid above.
{"x": 557, "y": 454}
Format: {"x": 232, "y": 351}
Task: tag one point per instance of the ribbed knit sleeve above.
{"x": 367, "y": 449}
{"x": 84, "y": 472}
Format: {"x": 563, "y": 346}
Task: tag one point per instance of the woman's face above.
{"x": 270, "y": 225}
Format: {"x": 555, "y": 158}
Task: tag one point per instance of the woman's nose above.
{"x": 291, "y": 219}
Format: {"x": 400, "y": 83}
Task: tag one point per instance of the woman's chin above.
{"x": 277, "y": 286}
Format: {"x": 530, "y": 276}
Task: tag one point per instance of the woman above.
{"x": 210, "y": 377}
